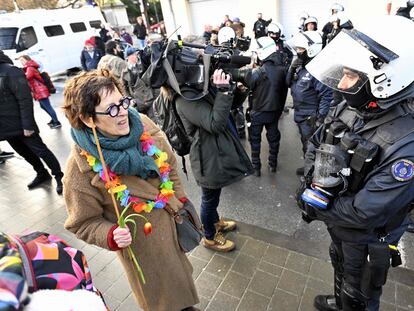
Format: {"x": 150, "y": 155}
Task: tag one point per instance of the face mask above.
{"x": 304, "y": 57}
{"x": 359, "y": 99}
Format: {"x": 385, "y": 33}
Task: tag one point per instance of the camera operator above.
{"x": 359, "y": 166}
{"x": 269, "y": 90}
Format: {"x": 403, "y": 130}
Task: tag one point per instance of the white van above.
{"x": 53, "y": 38}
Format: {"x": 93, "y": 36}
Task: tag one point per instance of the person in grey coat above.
{"x": 217, "y": 157}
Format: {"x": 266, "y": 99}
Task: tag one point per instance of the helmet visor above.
{"x": 342, "y": 65}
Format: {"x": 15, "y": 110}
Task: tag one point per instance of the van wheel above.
{"x": 72, "y": 71}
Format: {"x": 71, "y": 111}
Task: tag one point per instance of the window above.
{"x": 27, "y": 39}
{"x": 78, "y": 27}
{"x": 95, "y": 24}
{"x": 8, "y": 38}
{"x": 55, "y": 30}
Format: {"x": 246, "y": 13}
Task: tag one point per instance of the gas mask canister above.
{"x": 331, "y": 164}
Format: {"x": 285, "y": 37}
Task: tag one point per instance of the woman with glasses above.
{"x": 94, "y": 100}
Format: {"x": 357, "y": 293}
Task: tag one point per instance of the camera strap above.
{"x": 172, "y": 80}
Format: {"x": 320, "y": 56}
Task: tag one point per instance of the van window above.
{"x": 55, "y": 30}
{"x": 27, "y": 39}
{"x": 8, "y": 38}
{"x": 95, "y": 24}
{"x": 78, "y": 27}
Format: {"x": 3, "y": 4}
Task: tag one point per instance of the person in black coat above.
{"x": 141, "y": 32}
{"x": 260, "y": 25}
{"x": 18, "y": 126}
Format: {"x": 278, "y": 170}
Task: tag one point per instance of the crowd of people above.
{"x": 354, "y": 118}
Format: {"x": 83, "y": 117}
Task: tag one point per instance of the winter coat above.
{"x": 90, "y": 63}
{"x": 140, "y": 31}
{"x": 38, "y": 87}
{"x": 217, "y": 157}
{"x": 169, "y": 283}
{"x": 16, "y": 103}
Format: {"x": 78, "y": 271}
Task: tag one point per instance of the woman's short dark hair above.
{"x": 110, "y": 46}
{"x": 84, "y": 92}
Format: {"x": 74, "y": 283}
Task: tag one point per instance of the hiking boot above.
{"x": 225, "y": 225}
{"x": 6, "y": 155}
{"x": 50, "y": 123}
{"x": 56, "y": 125}
{"x": 219, "y": 243}
{"x": 325, "y": 303}
{"x": 272, "y": 169}
{"x": 300, "y": 171}
{"x": 39, "y": 179}
{"x": 59, "y": 185}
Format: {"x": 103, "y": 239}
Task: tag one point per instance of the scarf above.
{"x": 123, "y": 155}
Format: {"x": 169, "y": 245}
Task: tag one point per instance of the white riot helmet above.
{"x": 336, "y": 7}
{"x": 226, "y": 34}
{"x": 266, "y": 47}
{"x": 274, "y": 28}
{"x": 375, "y": 54}
{"x": 341, "y": 17}
{"x": 311, "y": 41}
{"x": 311, "y": 19}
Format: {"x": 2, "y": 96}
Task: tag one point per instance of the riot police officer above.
{"x": 275, "y": 31}
{"x": 311, "y": 98}
{"x": 360, "y": 164}
{"x": 269, "y": 90}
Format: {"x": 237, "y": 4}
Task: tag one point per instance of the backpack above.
{"x": 169, "y": 121}
{"x": 48, "y": 82}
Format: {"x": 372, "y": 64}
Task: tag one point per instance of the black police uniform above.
{"x": 372, "y": 213}
{"x": 269, "y": 91}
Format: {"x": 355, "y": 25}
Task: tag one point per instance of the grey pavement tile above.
{"x": 263, "y": 283}
{"x": 298, "y": 262}
{"x": 102, "y": 283}
{"x": 245, "y": 265}
{"x": 198, "y": 265}
{"x": 112, "y": 271}
{"x": 405, "y": 296}
{"x": 234, "y": 284}
{"x": 90, "y": 251}
{"x": 387, "y": 306}
{"x": 237, "y": 238}
{"x": 322, "y": 287}
{"x": 223, "y": 302}
{"x": 252, "y": 301}
{"x": 207, "y": 284}
{"x": 276, "y": 255}
{"x": 129, "y": 304}
{"x": 283, "y": 301}
{"x": 388, "y": 292}
{"x": 219, "y": 266}
{"x": 306, "y": 303}
{"x": 254, "y": 248}
{"x": 292, "y": 282}
{"x": 232, "y": 255}
{"x": 120, "y": 289}
{"x": 270, "y": 268}
{"x": 202, "y": 253}
{"x": 321, "y": 270}
{"x": 111, "y": 302}
{"x": 202, "y": 305}
{"x": 401, "y": 309}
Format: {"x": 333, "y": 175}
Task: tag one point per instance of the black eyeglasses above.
{"x": 113, "y": 109}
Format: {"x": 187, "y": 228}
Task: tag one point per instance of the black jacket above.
{"x": 16, "y": 102}
{"x": 268, "y": 85}
{"x": 383, "y": 199}
{"x": 217, "y": 157}
{"x": 259, "y": 27}
{"x": 140, "y": 31}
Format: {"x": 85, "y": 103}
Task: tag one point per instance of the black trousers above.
{"x": 32, "y": 149}
{"x": 269, "y": 120}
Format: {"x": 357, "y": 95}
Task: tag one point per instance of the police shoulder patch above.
{"x": 403, "y": 170}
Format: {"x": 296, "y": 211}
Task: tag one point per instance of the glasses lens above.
{"x": 113, "y": 110}
{"x": 126, "y": 102}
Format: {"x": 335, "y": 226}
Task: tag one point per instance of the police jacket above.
{"x": 16, "y": 103}
{"x": 382, "y": 200}
{"x": 311, "y": 98}
{"x": 217, "y": 157}
{"x": 268, "y": 85}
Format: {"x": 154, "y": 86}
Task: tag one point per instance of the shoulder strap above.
{"x": 27, "y": 264}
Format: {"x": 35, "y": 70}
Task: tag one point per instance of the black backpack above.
{"x": 48, "y": 82}
{"x": 170, "y": 123}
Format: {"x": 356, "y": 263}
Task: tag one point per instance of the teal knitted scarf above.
{"x": 123, "y": 155}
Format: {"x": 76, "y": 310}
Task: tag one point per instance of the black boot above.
{"x": 410, "y": 228}
{"x": 59, "y": 185}
{"x": 300, "y": 171}
{"x": 39, "y": 179}
{"x": 325, "y": 303}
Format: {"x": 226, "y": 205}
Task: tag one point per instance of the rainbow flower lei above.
{"x": 121, "y": 191}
